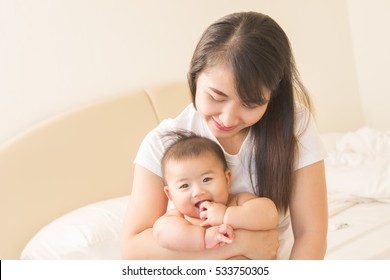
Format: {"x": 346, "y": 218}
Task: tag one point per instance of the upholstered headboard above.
{"x": 76, "y": 158}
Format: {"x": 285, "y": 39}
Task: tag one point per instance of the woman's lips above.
{"x": 221, "y": 127}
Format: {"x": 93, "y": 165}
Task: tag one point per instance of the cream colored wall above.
{"x": 371, "y": 41}
{"x": 55, "y": 55}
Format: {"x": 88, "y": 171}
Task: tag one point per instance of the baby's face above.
{"x": 194, "y": 180}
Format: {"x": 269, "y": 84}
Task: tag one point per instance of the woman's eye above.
{"x": 214, "y": 98}
{"x": 250, "y": 105}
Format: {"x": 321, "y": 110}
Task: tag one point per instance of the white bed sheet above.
{"x": 359, "y": 229}
{"x": 358, "y": 180}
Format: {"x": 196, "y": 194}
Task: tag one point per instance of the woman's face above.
{"x": 219, "y": 104}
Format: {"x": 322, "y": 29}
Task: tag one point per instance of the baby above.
{"x": 197, "y": 180}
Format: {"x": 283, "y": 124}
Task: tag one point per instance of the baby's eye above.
{"x": 207, "y": 179}
{"x": 184, "y": 186}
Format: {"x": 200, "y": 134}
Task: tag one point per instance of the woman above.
{"x": 245, "y": 92}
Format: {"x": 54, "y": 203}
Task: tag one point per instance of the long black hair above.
{"x": 260, "y": 56}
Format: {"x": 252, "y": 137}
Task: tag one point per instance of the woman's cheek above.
{"x": 205, "y": 107}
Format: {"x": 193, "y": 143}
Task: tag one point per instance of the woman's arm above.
{"x": 148, "y": 202}
{"x": 309, "y": 212}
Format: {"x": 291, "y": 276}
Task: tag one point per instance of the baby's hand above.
{"x": 212, "y": 213}
{"x": 218, "y": 236}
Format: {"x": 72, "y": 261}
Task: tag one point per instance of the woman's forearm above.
{"x": 249, "y": 244}
{"x": 257, "y": 245}
{"x": 143, "y": 246}
{"x": 309, "y": 246}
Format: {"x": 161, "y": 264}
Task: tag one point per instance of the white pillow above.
{"x": 88, "y": 233}
{"x": 359, "y": 164}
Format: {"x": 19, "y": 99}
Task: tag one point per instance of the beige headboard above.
{"x": 77, "y": 158}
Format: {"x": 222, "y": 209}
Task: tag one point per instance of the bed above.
{"x": 62, "y": 196}
{"x": 359, "y": 215}
{"x": 358, "y": 180}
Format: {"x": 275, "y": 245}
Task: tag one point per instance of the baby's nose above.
{"x": 198, "y": 191}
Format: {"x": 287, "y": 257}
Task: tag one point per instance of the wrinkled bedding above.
{"x": 358, "y": 180}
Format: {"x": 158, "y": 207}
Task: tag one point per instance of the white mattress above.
{"x": 358, "y": 180}
{"x": 358, "y": 229}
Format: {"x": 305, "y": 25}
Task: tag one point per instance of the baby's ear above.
{"x": 228, "y": 175}
{"x": 167, "y": 193}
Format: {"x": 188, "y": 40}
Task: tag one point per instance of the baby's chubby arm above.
{"x": 246, "y": 211}
{"x": 173, "y": 231}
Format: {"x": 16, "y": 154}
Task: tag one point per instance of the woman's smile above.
{"x": 221, "y": 127}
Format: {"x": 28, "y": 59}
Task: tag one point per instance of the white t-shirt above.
{"x": 153, "y": 147}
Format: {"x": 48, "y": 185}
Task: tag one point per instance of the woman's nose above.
{"x": 229, "y": 117}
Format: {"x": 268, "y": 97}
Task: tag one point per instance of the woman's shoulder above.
{"x": 310, "y": 145}
{"x": 156, "y": 141}
{"x": 189, "y": 119}
{"x": 187, "y": 116}
{"x": 304, "y": 119}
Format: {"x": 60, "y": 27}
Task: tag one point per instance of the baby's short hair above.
{"x": 186, "y": 144}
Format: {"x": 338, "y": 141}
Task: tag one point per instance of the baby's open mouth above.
{"x": 197, "y": 205}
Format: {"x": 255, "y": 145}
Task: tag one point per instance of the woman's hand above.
{"x": 257, "y": 245}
